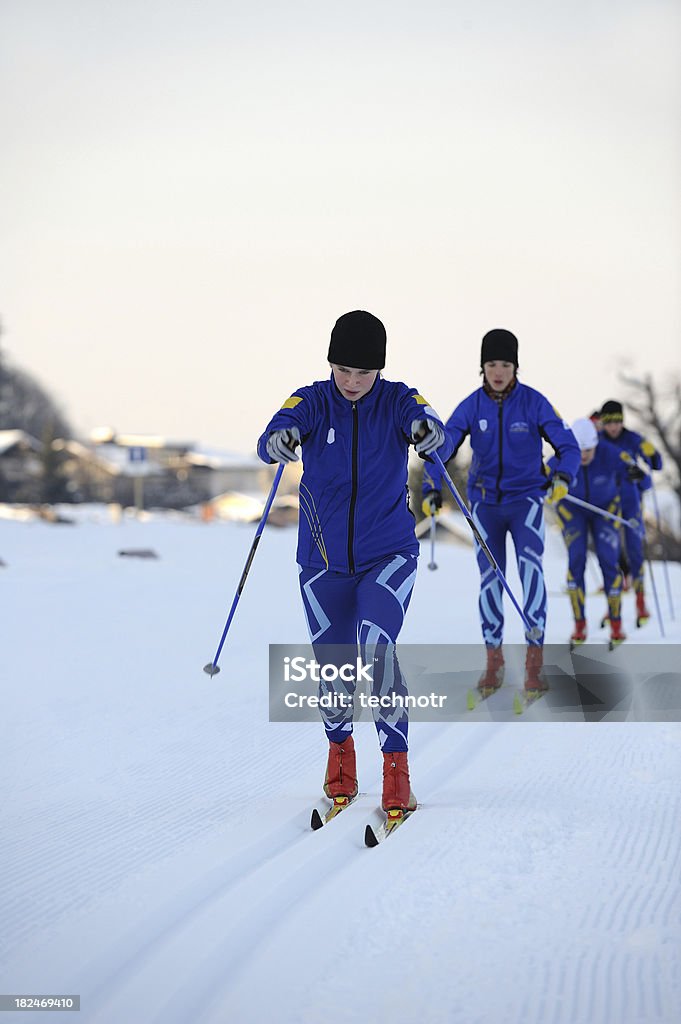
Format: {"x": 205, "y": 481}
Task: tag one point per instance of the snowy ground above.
{"x": 155, "y": 852}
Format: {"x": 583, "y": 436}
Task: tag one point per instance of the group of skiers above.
{"x": 357, "y": 550}
{"x": 610, "y": 478}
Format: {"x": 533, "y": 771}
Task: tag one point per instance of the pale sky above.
{"x": 192, "y": 193}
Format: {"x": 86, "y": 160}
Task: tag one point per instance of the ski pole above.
{"x": 646, "y": 468}
{"x": 533, "y": 632}
{"x": 658, "y": 522}
{"x": 212, "y": 667}
{"x": 654, "y": 586}
{"x": 631, "y": 523}
{"x": 432, "y": 564}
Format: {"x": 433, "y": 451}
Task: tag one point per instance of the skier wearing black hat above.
{"x": 599, "y": 482}
{"x": 357, "y": 549}
{"x": 507, "y": 485}
{"x": 636, "y": 446}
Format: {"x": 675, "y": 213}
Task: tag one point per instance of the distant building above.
{"x": 134, "y": 469}
{"x": 104, "y": 473}
{"x": 21, "y": 466}
{"x": 221, "y": 471}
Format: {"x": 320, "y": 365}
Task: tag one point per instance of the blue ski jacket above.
{"x": 506, "y": 438}
{"x": 599, "y": 483}
{"x": 630, "y": 441}
{"x": 354, "y": 498}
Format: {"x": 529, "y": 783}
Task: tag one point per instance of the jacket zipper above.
{"x": 353, "y": 493}
{"x": 501, "y": 447}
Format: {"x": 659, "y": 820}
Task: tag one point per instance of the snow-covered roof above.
{"x": 9, "y": 438}
{"x": 109, "y": 457}
{"x": 118, "y": 459}
{"x": 217, "y": 458}
{"x": 152, "y": 441}
{"x": 107, "y": 441}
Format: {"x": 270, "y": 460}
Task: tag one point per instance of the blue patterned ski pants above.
{"x": 361, "y": 614}
{"x": 524, "y": 521}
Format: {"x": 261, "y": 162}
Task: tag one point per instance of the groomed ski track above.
{"x": 156, "y": 851}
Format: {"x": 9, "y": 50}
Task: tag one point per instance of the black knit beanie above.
{"x": 358, "y": 340}
{"x": 499, "y": 344}
{"x": 612, "y": 412}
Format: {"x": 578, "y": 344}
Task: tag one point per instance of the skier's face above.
{"x": 613, "y": 429}
{"x": 587, "y": 455}
{"x": 352, "y": 383}
{"x": 499, "y": 374}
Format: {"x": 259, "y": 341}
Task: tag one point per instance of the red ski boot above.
{"x": 534, "y": 660}
{"x": 397, "y": 794}
{"x": 616, "y": 634}
{"x": 579, "y": 635}
{"x": 341, "y": 770}
{"x": 642, "y": 613}
{"x": 493, "y": 676}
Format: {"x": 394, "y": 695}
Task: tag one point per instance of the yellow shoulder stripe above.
{"x": 421, "y": 400}
{"x": 292, "y": 402}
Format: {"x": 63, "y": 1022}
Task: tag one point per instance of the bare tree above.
{"x": 658, "y": 414}
{"x": 25, "y": 405}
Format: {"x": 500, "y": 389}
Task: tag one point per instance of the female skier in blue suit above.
{"x": 507, "y": 422}
{"x": 357, "y": 550}
{"x": 633, "y": 488}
